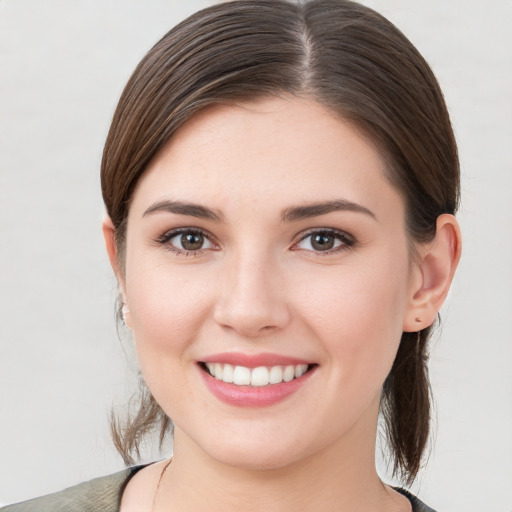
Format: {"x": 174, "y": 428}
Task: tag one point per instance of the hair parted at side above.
{"x": 348, "y": 58}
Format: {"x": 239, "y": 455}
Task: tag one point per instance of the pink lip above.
{"x": 251, "y": 396}
{"x": 253, "y": 360}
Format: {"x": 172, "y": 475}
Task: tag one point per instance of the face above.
{"x": 268, "y": 279}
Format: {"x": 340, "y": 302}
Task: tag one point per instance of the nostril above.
{"x": 252, "y": 320}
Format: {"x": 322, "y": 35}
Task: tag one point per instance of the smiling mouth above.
{"x": 255, "y": 377}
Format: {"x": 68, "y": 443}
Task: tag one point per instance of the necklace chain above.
{"x": 158, "y": 485}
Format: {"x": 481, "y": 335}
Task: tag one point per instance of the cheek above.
{"x": 167, "y": 310}
{"x": 167, "y": 307}
{"x": 357, "y": 313}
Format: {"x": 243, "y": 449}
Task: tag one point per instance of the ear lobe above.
{"x": 438, "y": 262}
{"x": 109, "y": 232}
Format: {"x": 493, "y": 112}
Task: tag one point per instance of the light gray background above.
{"x": 62, "y": 67}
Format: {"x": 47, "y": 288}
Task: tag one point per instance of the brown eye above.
{"x": 322, "y": 241}
{"x": 325, "y": 241}
{"x": 192, "y": 241}
{"x": 187, "y": 240}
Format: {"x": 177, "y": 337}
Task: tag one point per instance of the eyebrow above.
{"x": 294, "y": 213}
{"x": 181, "y": 208}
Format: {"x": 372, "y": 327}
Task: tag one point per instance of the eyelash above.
{"x": 346, "y": 241}
{"x": 169, "y": 235}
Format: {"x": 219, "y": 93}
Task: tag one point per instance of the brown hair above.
{"x": 348, "y": 58}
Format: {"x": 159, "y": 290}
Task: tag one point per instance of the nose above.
{"x": 252, "y": 299}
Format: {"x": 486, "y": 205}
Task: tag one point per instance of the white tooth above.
{"x": 259, "y": 376}
{"x": 218, "y": 371}
{"x": 242, "y": 376}
{"x": 275, "y": 375}
{"x": 289, "y": 373}
{"x": 211, "y": 368}
{"x": 228, "y": 373}
{"x": 300, "y": 370}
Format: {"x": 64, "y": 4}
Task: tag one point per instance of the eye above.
{"x": 325, "y": 241}
{"x": 186, "y": 241}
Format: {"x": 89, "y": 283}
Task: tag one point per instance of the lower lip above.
{"x": 253, "y": 396}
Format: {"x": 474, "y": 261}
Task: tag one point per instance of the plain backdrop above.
{"x": 62, "y": 67}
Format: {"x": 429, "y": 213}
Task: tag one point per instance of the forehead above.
{"x": 270, "y": 151}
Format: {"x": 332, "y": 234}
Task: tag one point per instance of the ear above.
{"x": 108, "y": 229}
{"x": 107, "y": 226}
{"x": 433, "y": 274}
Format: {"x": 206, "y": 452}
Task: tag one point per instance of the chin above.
{"x": 250, "y": 460}
{"x": 260, "y": 454}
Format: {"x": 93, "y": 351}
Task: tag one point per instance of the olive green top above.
{"x": 104, "y": 495}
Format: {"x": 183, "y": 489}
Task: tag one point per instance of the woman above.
{"x": 280, "y": 182}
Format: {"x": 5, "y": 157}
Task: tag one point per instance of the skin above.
{"x": 258, "y": 285}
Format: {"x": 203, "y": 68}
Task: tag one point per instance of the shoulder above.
{"x": 417, "y": 505}
{"x": 140, "y": 491}
{"x": 99, "y": 495}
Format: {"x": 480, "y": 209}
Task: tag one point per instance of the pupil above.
{"x": 192, "y": 241}
{"x": 322, "y": 242}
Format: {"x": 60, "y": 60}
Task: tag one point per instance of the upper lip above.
{"x": 253, "y": 360}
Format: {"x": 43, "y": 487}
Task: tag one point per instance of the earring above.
{"x": 124, "y": 311}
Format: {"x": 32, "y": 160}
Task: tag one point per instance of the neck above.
{"x": 341, "y": 476}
